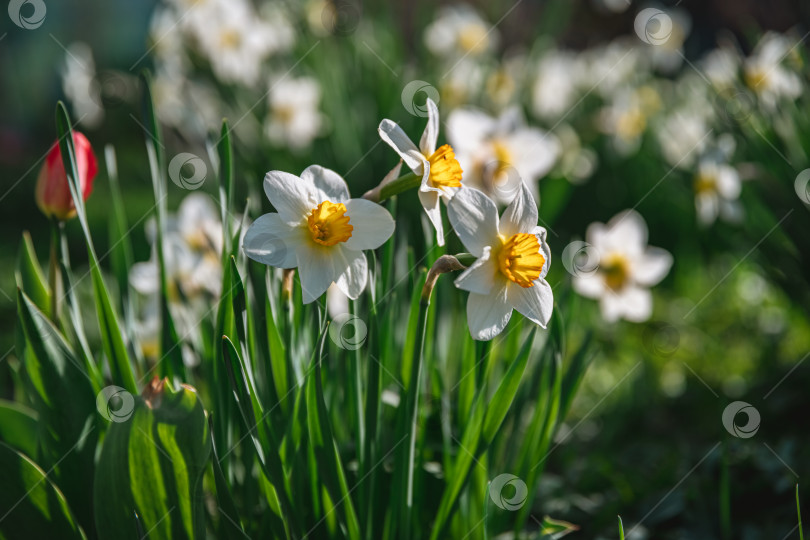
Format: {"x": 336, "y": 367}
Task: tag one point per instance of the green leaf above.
{"x": 556, "y": 527}
{"x": 230, "y": 523}
{"x": 505, "y": 394}
{"x": 330, "y": 468}
{"x": 65, "y": 401}
{"x": 112, "y": 336}
{"x": 18, "y": 427}
{"x": 152, "y": 465}
{"x": 30, "y": 502}
{"x": 30, "y": 277}
{"x": 226, "y": 173}
{"x": 171, "y": 352}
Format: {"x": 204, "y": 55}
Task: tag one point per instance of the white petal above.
{"x": 272, "y": 241}
{"x": 521, "y": 214}
{"x": 431, "y": 134}
{"x": 468, "y": 128}
{"x": 316, "y": 268}
{"x": 625, "y": 233}
{"x": 337, "y": 303}
{"x": 479, "y": 278}
{"x": 372, "y": 225}
{"x": 728, "y": 182}
{"x": 589, "y": 285}
{"x": 392, "y": 134}
{"x": 707, "y": 207}
{"x": 652, "y": 267}
{"x": 292, "y": 197}
{"x": 352, "y": 281}
{"x": 328, "y": 181}
{"x": 143, "y": 277}
{"x": 474, "y": 217}
{"x": 488, "y": 314}
{"x": 533, "y": 152}
{"x": 535, "y": 302}
{"x": 611, "y": 306}
{"x": 431, "y": 203}
{"x": 636, "y": 304}
{"x": 541, "y": 234}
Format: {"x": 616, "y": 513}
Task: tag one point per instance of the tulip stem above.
{"x": 55, "y": 272}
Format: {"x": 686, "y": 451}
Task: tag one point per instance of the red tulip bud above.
{"x": 52, "y": 191}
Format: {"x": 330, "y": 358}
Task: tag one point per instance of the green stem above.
{"x": 55, "y": 273}
{"x": 799, "y": 512}
{"x": 400, "y": 185}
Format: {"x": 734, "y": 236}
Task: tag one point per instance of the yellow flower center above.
{"x": 631, "y": 123}
{"x": 473, "y": 38}
{"x": 616, "y": 271}
{"x": 756, "y": 79}
{"x": 230, "y": 39}
{"x": 328, "y": 224}
{"x": 520, "y": 259}
{"x": 705, "y": 183}
{"x": 445, "y": 170}
{"x": 504, "y": 159}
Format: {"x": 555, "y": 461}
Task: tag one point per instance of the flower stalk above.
{"x": 386, "y": 190}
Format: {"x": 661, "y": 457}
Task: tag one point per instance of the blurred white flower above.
{"x": 293, "y": 118}
{"x": 192, "y": 247}
{"x": 337, "y": 303}
{"x": 513, "y": 259}
{"x": 618, "y": 64}
{"x": 503, "y": 82}
{"x": 460, "y": 31}
{"x": 721, "y": 66}
{"x": 80, "y": 85}
{"x": 626, "y": 118}
{"x": 462, "y": 84}
{"x": 440, "y": 170}
{"x": 555, "y": 90}
{"x": 717, "y": 188}
{"x": 765, "y": 72}
{"x": 319, "y": 230}
{"x": 498, "y": 154}
{"x": 682, "y": 136}
{"x": 627, "y": 268}
{"x": 236, "y": 40}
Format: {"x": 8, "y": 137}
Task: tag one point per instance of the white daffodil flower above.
{"x": 439, "y": 168}
{"x": 627, "y": 117}
{"x": 717, "y": 188}
{"x": 513, "y": 259}
{"x": 318, "y": 229}
{"x": 499, "y": 154}
{"x": 766, "y": 74}
{"x": 460, "y": 31}
{"x": 627, "y": 268}
{"x": 294, "y": 119}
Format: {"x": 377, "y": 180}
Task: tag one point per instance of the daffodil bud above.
{"x": 52, "y": 191}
